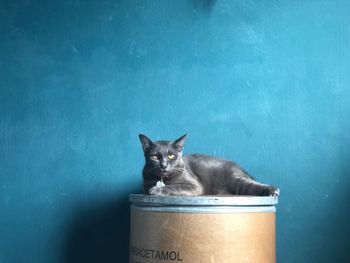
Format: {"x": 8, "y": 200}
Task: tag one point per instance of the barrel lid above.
{"x": 203, "y": 200}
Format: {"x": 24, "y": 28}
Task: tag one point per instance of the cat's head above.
{"x": 163, "y": 157}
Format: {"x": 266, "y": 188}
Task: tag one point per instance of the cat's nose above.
{"x": 163, "y": 164}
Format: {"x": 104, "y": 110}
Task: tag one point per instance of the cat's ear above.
{"x": 146, "y": 142}
{"x": 179, "y": 143}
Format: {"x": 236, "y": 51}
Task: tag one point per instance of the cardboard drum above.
{"x": 202, "y": 229}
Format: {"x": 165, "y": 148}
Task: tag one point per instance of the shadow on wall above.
{"x": 335, "y": 227}
{"x": 99, "y": 232}
{"x": 204, "y": 5}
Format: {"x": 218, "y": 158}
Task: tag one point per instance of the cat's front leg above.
{"x": 156, "y": 190}
{"x": 178, "y": 189}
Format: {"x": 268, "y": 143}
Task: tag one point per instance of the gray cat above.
{"x": 167, "y": 172}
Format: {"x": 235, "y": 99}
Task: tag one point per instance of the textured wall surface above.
{"x": 264, "y": 83}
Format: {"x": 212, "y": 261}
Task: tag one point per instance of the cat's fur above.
{"x": 194, "y": 174}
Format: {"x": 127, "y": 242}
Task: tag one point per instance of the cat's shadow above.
{"x": 99, "y": 232}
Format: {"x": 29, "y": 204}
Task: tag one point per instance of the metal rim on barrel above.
{"x": 203, "y": 204}
{"x": 213, "y": 200}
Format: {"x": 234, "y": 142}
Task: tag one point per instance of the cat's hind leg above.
{"x": 248, "y": 186}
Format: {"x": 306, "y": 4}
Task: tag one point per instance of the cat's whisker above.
{"x": 178, "y": 170}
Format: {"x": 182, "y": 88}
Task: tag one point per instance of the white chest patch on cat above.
{"x": 160, "y": 183}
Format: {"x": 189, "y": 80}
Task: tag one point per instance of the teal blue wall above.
{"x": 265, "y": 83}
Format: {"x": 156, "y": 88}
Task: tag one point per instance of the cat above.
{"x": 168, "y": 172}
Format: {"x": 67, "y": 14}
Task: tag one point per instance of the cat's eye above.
{"x": 171, "y": 156}
{"x": 154, "y": 157}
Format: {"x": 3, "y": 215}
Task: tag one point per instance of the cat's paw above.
{"x": 156, "y": 190}
{"x": 276, "y": 192}
{"x": 271, "y": 191}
